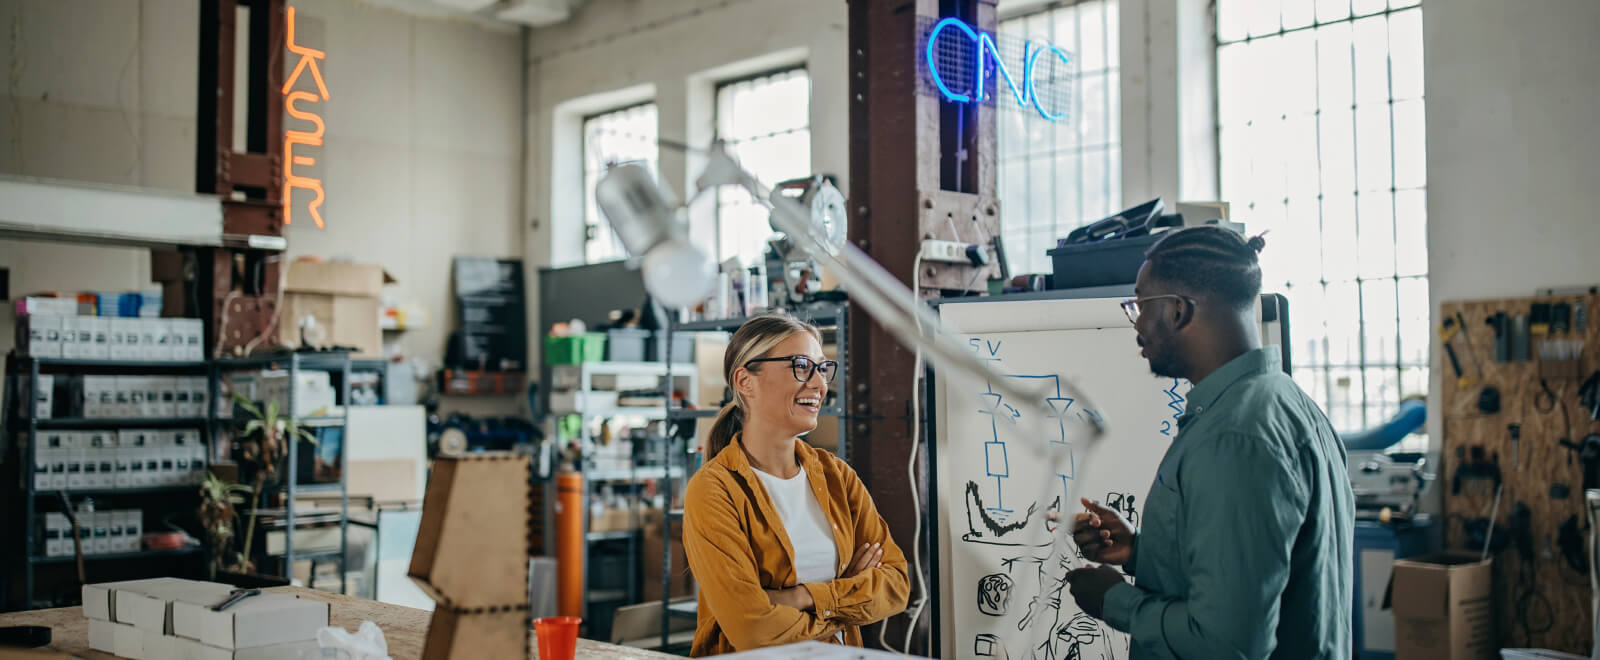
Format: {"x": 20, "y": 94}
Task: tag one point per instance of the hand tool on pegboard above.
{"x": 1454, "y": 327}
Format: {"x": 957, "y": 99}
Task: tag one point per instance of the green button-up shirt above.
{"x": 1245, "y": 549}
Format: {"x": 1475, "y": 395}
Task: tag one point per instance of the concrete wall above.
{"x": 1513, "y": 150}
{"x": 616, "y": 52}
{"x": 423, "y": 146}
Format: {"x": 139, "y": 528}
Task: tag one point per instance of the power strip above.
{"x": 954, "y": 252}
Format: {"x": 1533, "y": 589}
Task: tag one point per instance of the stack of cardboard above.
{"x": 1443, "y": 608}
{"x": 343, "y": 300}
{"x": 682, "y": 581}
{"x": 172, "y": 618}
{"x": 472, "y": 553}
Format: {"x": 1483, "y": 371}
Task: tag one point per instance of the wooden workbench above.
{"x": 404, "y": 628}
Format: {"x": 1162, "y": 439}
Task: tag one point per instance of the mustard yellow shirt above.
{"x": 737, "y": 548}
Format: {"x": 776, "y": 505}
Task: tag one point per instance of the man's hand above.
{"x": 1103, "y": 535}
{"x": 1089, "y": 587}
{"x": 796, "y": 596}
{"x": 868, "y": 556}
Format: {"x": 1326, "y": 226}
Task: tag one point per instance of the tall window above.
{"x": 621, "y": 136}
{"x": 766, "y": 121}
{"x": 1321, "y": 136}
{"x": 1057, "y": 176}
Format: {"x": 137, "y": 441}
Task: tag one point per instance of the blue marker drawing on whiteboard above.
{"x": 1176, "y": 403}
{"x": 992, "y": 519}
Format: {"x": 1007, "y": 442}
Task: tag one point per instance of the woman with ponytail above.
{"x": 784, "y": 541}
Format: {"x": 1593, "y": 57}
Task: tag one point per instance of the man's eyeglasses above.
{"x": 1131, "y": 306}
{"x": 803, "y": 367}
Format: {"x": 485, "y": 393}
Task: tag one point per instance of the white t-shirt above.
{"x": 816, "y": 559}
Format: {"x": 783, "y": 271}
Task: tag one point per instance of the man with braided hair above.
{"x": 1245, "y": 549}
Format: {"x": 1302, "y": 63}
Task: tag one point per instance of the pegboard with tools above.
{"x": 1521, "y": 409}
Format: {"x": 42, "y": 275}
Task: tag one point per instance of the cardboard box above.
{"x": 133, "y": 339}
{"x": 59, "y": 458}
{"x": 133, "y": 528}
{"x": 115, "y": 540}
{"x": 200, "y": 396}
{"x": 42, "y": 457}
{"x": 149, "y": 348}
{"x": 194, "y": 339}
{"x": 148, "y": 604}
{"x": 472, "y": 544}
{"x": 162, "y": 331}
{"x": 197, "y": 464}
{"x": 85, "y": 330}
{"x": 100, "y": 339}
{"x": 56, "y": 530}
{"x": 453, "y": 634}
{"x": 100, "y": 523}
{"x": 121, "y": 470}
{"x": 148, "y": 472}
{"x": 167, "y": 402}
{"x": 127, "y": 397}
{"x": 611, "y": 519}
{"x": 128, "y": 642}
{"x": 75, "y": 458}
{"x": 46, "y": 306}
{"x": 262, "y": 620}
{"x": 91, "y": 468}
{"x": 43, "y": 396}
{"x": 98, "y": 599}
{"x": 39, "y": 336}
{"x": 96, "y": 395}
{"x": 102, "y": 635}
{"x": 385, "y": 480}
{"x": 342, "y": 297}
{"x": 158, "y": 646}
{"x": 682, "y": 582}
{"x": 69, "y": 337}
{"x": 1443, "y": 608}
{"x": 116, "y": 339}
{"x": 189, "y": 649}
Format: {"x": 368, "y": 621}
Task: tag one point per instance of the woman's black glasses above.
{"x": 803, "y": 367}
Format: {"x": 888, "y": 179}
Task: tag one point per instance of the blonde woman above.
{"x": 784, "y": 541}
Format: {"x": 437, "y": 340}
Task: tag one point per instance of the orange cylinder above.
{"x": 569, "y": 543}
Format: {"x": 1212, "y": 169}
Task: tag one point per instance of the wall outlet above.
{"x": 954, "y": 252}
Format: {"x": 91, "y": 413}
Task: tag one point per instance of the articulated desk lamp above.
{"x": 678, "y": 274}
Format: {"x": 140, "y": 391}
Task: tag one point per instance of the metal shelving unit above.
{"x": 583, "y": 379}
{"x": 144, "y": 554}
{"x": 84, "y": 423}
{"x": 340, "y": 365}
{"x": 821, "y": 314}
{"x": 20, "y": 421}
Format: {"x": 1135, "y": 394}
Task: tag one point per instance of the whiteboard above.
{"x": 1003, "y": 594}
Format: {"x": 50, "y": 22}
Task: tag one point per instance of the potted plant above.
{"x": 220, "y": 518}
{"x": 264, "y": 446}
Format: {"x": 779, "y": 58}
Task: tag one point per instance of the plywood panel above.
{"x": 1560, "y": 595}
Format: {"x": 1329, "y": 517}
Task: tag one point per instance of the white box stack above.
{"x": 72, "y": 336}
{"x": 172, "y": 618}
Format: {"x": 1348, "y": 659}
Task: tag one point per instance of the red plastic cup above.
{"x": 558, "y": 636}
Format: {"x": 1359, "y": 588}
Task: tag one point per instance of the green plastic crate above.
{"x": 575, "y": 350}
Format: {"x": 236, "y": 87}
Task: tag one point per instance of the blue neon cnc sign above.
{"x": 964, "y": 65}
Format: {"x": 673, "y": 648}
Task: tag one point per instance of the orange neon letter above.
{"x": 308, "y": 62}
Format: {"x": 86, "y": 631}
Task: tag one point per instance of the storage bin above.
{"x": 682, "y": 347}
{"x": 590, "y": 347}
{"x": 1104, "y": 263}
{"x": 627, "y": 344}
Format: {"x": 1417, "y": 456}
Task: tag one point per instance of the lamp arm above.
{"x": 890, "y": 302}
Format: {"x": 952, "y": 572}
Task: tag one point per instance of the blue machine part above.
{"x": 1412, "y": 415}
